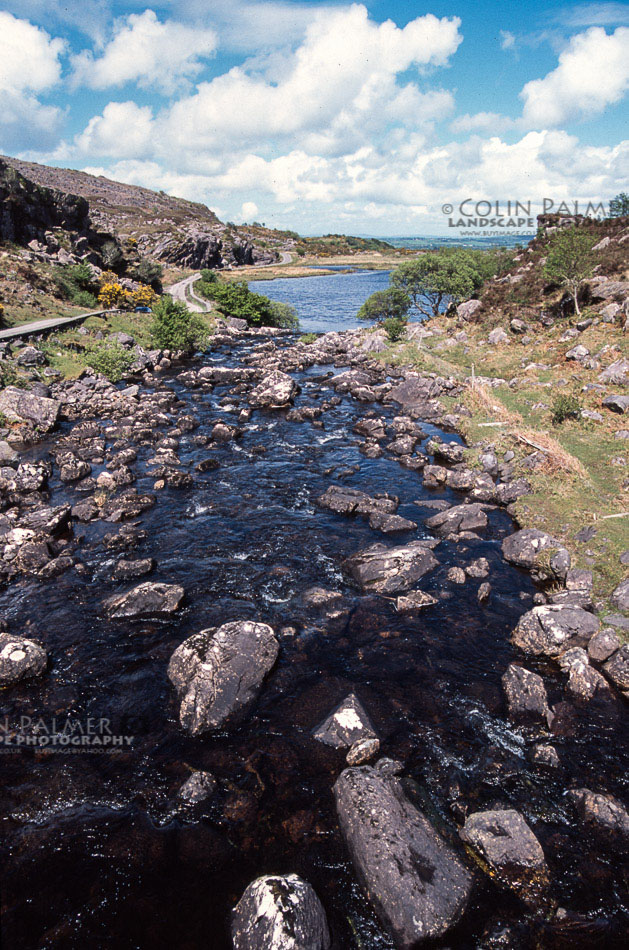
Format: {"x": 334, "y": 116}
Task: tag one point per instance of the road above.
{"x": 40, "y": 326}
{"x": 183, "y": 291}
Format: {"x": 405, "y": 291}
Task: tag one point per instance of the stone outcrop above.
{"x": 219, "y": 671}
{"x": 551, "y": 629}
{"x": 21, "y": 406}
{"x": 147, "y": 600}
{"x": 279, "y": 912}
{"x": 416, "y": 883}
{"x": 275, "y": 391}
{"x": 538, "y": 552}
{"x": 387, "y": 570}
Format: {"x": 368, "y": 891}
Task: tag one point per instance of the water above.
{"x": 325, "y": 303}
{"x": 97, "y": 849}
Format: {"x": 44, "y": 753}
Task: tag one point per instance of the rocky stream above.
{"x": 346, "y": 700}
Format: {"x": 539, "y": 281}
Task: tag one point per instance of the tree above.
{"x": 391, "y": 303}
{"x": 111, "y": 254}
{"x": 175, "y": 328}
{"x": 437, "y": 277}
{"x": 570, "y": 261}
{"x": 234, "y": 299}
{"x": 619, "y": 206}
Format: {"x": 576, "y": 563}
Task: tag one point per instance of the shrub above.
{"x": 570, "y": 261}
{"x": 386, "y": 304}
{"x": 149, "y": 272}
{"x": 83, "y": 298}
{"x": 284, "y": 315}
{"x": 308, "y": 338}
{"x": 234, "y": 299}
{"x": 143, "y": 297}
{"x": 174, "y": 327}
{"x": 395, "y": 328}
{"x": 110, "y": 359}
{"x": 209, "y": 276}
{"x": 111, "y": 295}
{"x": 565, "y": 406}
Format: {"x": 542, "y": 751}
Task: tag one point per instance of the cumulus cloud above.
{"x": 29, "y": 64}
{"x": 144, "y": 50}
{"x": 249, "y": 210}
{"x": 480, "y": 122}
{"x": 123, "y": 127}
{"x": 593, "y": 72}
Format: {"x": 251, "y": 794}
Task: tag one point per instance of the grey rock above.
{"x": 551, "y": 629}
{"x": 31, "y": 356}
{"x": 504, "y": 840}
{"x": 508, "y": 492}
{"x": 478, "y": 568}
{"x": 615, "y": 403}
{"x": 545, "y": 755}
{"x": 526, "y": 694}
{"x": 390, "y": 524}
{"x": 497, "y": 336}
{"x": 416, "y": 883}
{"x": 18, "y": 405}
{"x": 20, "y": 658}
{"x": 578, "y": 353}
{"x": 392, "y": 570}
{"x": 617, "y": 373}
{"x": 524, "y": 548}
{"x": 620, "y": 596}
{"x": 584, "y": 682}
{"x": 414, "y": 600}
{"x": 219, "y": 672}
{"x": 603, "y": 644}
{"x": 483, "y": 592}
{"x": 458, "y": 518}
{"x": 147, "y": 600}
{"x": 275, "y": 391}
{"x": 456, "y": 575}
{"x": 617, "y": 668}
{"x": 198, "y": 787}
{"x": 346, "y": 725}
{"x": 349, "y": 501}
{"x": 362, "y": 751}
{"x": 467, "y": 309}
{"x": 600, "y": 811}
{"x": 279, "y": 912}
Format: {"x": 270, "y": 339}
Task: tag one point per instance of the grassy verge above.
{"x": 584, "y": 482}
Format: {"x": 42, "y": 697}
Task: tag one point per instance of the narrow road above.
{"x": 40, "y": 326}
{"x": 183, "y": 291}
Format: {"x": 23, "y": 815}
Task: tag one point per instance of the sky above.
{"x": 326, "y": 116}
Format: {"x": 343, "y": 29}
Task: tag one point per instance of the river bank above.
{"x": 187, "y": 476}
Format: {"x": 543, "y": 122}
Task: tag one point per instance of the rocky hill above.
{"x": 157, "y": 226}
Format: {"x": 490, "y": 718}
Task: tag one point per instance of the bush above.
{"x": 83, "y": 298}
{"x": 395, "y": 328}
{"x": 149, "y": 272}
{"x": 308, "y": 338}
{"x": 76, "y": 283}
{"x": 565, "y": 407}
{"x": 385, "y": 304}
{"x": 110, "y": 359}
{"x": 174, "y": 327}
{"x": 284, "y": 315}
{"x": 209, "y": 276}
{"x": 234, "y": 299}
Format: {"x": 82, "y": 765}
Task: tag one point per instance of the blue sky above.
{"x": 324, "y": 116}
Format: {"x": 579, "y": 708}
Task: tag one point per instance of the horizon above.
{"x": 262, "y": 111}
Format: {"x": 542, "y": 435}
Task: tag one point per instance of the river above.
{"x": 99, "y": 851}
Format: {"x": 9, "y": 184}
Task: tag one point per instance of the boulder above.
{"x": 498, "y": 336}
{"x": 279, "y": 912}
{"x": 198, "y": 787}
{"x": 31, "y": 356}
{"x": 551, "y": 629}
{"x": 506, "y": 843}
{"x": 584, "y": 682}
{"x": 615, "y": 403}
{"x": 620, "y": 596}
{"x": 524, "y": 548}
{"x": 219, "y": 671}
{"x": 346, "y": 725}
{"x": 416, "y": 883}
{"x": 526, "y": 694}
{"x": 603, "y": 645}
{"x": 146, "y": 600}
{"x": 467, "y": 309}
{"x": 349, "y": 501}
{"x": 387, "y": 570}
{"x": 20, "y": 658}
{"x": 276, "y": 390}
{"x": 478, "y": 568}
{"x": 18, "y": 405}
{"x": 603, "y": 812}
{"x": 617, "y": 668}
{"x": 616, "y": 374}
{"x": 456, "y": 519}
{"x": 578, "y": 353}
{"x": 390, "y": 524}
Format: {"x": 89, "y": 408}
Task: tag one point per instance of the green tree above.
{"x": 234, "y": 299}
{"x": 392, "y": 303}
{"x": 174, "y": 327}
{"x": 435, "y": 278}
{"x": 570, "y": 261}
{"x": 619, "y": 206}
{"x": 111, "y": 254}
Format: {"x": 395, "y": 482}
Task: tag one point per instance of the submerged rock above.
{"x": 416, "y": 883}
{"x": 525, "y": 693}
{"x": 20, "y": 658}
{"x": 506, "y": 843}
{"x": 414, "y": 600}
{"x": 346, "y": 725}
{"x": 146, "y": 600}
{"x": 198, "y": 787}
{"x": 392, "y": 570}
{"x": 349, "y": 501}
{"x": 219, "y": 671}
{"x": 551, "y": 629}
{"x": 279, "y": 912}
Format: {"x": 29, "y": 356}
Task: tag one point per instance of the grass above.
{"x": 582, "y": 484}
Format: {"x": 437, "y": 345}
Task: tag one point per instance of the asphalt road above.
{"x": 40, "y": 326}
{"x": 183, "y": 291}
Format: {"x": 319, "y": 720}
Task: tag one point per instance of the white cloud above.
{"x": 29, "y": 58}
{"x": 142, "y": 49}
{"x": 124, "y": 129}
{"x": 248, "y": 211}
{"x": 595, "y": 14}
{"x": 593, "y": 73}
{"x": 480, "y": 122}
{"x": 330, "y": 86}
{"x": 507, "y": 39}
